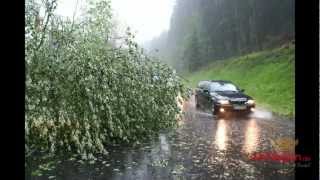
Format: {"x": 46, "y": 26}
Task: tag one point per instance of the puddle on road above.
{"x": 221, "y": 136}
{"x": 252, "y": 136}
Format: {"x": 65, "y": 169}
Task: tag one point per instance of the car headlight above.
{"x": 223, "y": 101}
{"x": 250, "y": 101}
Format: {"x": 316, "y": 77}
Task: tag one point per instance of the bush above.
{"x": 83, "y": 92}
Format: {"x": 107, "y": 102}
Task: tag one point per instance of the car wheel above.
{"x": 247, "y": 113}
{"x": 197, "y": 105}
{"x": 215, "y": 111}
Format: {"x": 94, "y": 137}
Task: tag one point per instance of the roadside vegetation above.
{"x": 268, "y": 76}
{"x": 84, "y": 91}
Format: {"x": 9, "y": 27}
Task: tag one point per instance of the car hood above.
{"x": 230, "y": 95}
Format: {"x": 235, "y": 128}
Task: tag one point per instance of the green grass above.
{"x": 268, "y": 76}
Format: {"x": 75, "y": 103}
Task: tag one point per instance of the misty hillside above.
{"x": 202, "y": 31}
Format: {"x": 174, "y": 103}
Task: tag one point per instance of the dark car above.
{"x": 222, "y": 97}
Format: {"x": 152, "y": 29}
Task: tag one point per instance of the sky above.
{"x": 146, "y": 18}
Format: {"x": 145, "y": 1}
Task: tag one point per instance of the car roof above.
{"x": 207, "y": 82}
{"x": 221, "y": 81}
{"x": 217, "y": 81}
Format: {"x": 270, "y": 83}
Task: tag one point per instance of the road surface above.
{"x": 203, "y": 147}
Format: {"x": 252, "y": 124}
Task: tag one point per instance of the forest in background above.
{"x": 202, "y": 31}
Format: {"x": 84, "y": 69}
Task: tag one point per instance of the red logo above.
{"x": 279, "y": 157}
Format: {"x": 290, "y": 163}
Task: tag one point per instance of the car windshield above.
{"x": 222, "y": 87}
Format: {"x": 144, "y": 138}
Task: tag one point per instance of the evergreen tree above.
{"x": 192, "y": 57}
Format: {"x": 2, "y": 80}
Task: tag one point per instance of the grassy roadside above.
{"x": 268, "y": 76}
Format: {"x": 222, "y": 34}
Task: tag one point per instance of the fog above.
{"x": 188, "y": 35}
{"x": 146, "y": 18}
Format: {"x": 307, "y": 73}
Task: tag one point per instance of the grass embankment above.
{"x": 268, "y": 76}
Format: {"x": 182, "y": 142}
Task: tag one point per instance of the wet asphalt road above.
{"x": 203, "y": 147}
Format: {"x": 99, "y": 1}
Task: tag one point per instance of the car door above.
{"x": 206, "y": 96}
{"x": 200, "y": 96}
{"x": 199, "y": 93}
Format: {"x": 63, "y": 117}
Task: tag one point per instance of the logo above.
{"x": 284, "y": 152}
